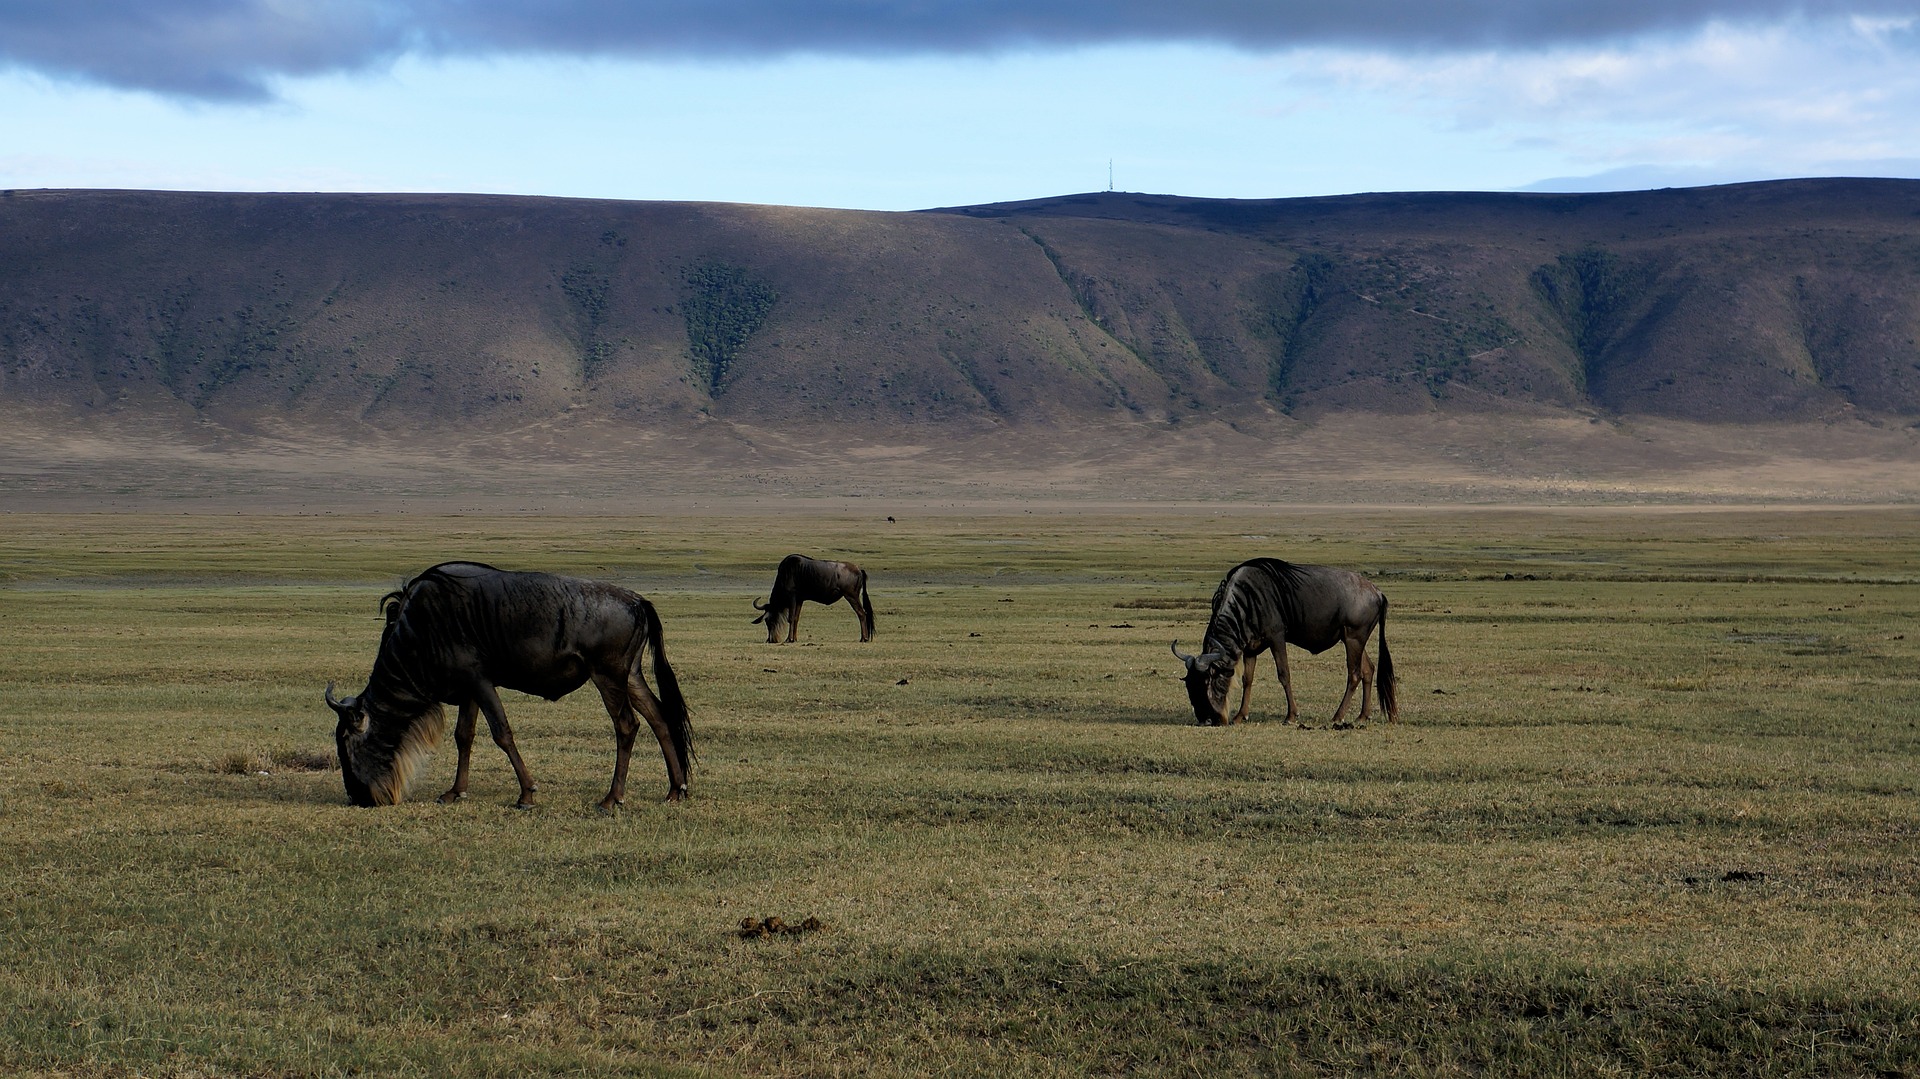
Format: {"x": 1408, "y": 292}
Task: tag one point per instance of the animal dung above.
{"x": 1731, "y": 876}
{"x": 752, "y": 928}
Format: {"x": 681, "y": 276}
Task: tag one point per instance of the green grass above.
{"x": 1650, "y": 812}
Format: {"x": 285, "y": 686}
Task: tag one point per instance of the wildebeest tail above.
{"x": 671, "y": 700}
{"x": 1383, "y": 675}
{"x": 866, "y": 605}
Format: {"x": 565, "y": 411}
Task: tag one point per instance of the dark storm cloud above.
{"x": 233, "y": 49}
{"x": 216, "y": 49}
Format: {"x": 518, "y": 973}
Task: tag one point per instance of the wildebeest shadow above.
{"x": 1170, "y": 717}
{"x": 300, "y": 788}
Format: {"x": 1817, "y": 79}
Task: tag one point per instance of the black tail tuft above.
{"x": 671, "y": 700}
{"x": 1383, "y": 675}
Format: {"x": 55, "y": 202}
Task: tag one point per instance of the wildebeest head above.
{"x": 1208, "y": 677}
{"x": 774, "y": 617}
{"x": 348, "y": 735}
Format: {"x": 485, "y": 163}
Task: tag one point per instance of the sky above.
{"x": 909, "y": 104}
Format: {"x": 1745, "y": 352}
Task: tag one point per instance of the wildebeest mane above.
{"x": 1242, "y": 592}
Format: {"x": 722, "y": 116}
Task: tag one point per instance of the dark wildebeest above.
{"x": 461, "y": 630}
{"x": 1266, "y": 603}
{"x": 813, "y": 580}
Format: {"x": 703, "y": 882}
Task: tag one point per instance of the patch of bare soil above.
{"x": 585, "y": 464}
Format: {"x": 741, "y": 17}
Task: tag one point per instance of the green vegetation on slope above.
{"x": 587, "y": 289}
{"x": 723, "y": 308}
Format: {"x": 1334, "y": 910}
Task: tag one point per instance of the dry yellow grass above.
{"x": 1644, "y": 813}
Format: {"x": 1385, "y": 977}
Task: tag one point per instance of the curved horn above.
{"x": 759, "y": 606}
{"x": 342, "y": 707}
{"x": 1183, "y": 657}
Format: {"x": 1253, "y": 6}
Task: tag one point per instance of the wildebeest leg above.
{"x": 793, "y": 622}
{"x": 619, "y": 702}
{"x": 1248, "y": 663}
{"x": 634, "y": 694}
{"x": 1366, "y": 683}
{"x": 853, "y": 600}
{"x": 503, "y": 737}
{"x": 1356, "y": 657}
{"x": 462, "y": 740}
{"x": 1286, "y": 680}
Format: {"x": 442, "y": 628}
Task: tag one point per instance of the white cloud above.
{"x": 1800, "y": 98}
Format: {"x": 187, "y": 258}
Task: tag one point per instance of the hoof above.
{"x": 451, "y": 797}
{"x": 523, "y": 805}
{"x": 677, "y": 795}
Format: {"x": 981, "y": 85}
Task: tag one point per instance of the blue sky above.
{"x": 903, "y": 104}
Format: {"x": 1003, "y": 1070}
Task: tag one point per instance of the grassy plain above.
{"x": 1651, "y": 808}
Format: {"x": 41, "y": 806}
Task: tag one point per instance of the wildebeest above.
{"x": 813, "y": 580}
{"x": 1265, "y": 603}
{"x": 462, "y": 630}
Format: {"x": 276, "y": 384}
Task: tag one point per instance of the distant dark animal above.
{"x": 460, "y": 631}
{"x": 1265, "y": 603}
{"x": 813, "y": 580}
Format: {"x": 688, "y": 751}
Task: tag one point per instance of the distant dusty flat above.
{"x": 594, "y": 468}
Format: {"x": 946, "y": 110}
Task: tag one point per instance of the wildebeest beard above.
{"x": 382, "y": 748}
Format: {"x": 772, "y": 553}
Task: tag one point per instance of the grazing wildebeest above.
{"x": 813, "y": 580}
{"x": 1266, "y": 603}
{"x": 461, "y": 630}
